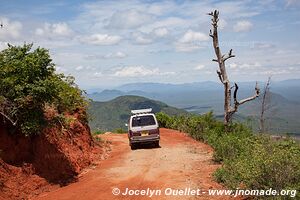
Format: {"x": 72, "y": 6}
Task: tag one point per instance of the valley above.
{"x": 202, "y": 97}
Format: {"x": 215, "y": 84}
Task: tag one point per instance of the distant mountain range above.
{"x": 110, "y": 115}
{"x": 201, "y": 97}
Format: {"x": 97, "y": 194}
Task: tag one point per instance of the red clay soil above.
{"x": 29, "y": 165}
{"x": 179, "y": 163}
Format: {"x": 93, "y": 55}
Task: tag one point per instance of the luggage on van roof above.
{"x": 141, "y": 111}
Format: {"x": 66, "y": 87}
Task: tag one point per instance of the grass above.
{"x": 119, "y": 130}
{"x": 98, "y": 132}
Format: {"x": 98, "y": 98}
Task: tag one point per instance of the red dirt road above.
{"x": 180, "y": 163}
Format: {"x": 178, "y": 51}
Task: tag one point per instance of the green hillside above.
{"x": 110, "y": 115}
{"x": 282, "y": 116}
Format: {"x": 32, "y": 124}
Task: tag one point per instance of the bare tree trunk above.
{"x": 228, "y": 109}
{"x": 264, "y": 106}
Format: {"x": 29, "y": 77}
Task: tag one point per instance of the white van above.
{"x": 143, "y": 128}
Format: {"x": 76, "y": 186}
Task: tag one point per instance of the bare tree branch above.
{"x": 211, "y": 13}
{"x": 257, "y": 91}
{"x": 238, "y": 103}
{"x": 222, "y": 73}
{"x": 264, "y": 106}
{"x": 210, "y": 34}
{"x": 229, "y": 55}
{"x": 14, "y": 123}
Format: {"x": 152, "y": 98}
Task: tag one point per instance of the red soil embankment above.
{"x": 29, "y": 164}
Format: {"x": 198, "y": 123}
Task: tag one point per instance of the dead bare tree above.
{"x": 265, "y": 105}
{"x": 228, "y": 109}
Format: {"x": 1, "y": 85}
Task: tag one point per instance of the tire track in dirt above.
{"x": 179, "y": 163}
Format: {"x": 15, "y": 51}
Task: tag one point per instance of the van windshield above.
{"x": 146, "y": 120}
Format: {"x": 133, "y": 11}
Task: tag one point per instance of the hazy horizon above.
{"x": 261, "y": 84}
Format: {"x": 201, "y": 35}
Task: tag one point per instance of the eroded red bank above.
{"x": 33, "y": 165}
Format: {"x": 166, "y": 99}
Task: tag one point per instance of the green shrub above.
{"x": 248, "y": 161}
{"x": 266, "y": 164}
{"x": 230, "y": 145}
{"x": 99, "y": 132}
{"x": 162, "y": 119}
{"x": 119, "y": 130}
{"x": 28, "y": 83}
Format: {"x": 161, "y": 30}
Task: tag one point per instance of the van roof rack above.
{"x": 141, "y": 111}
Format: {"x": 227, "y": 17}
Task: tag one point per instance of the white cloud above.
{"x": 190, "y": 41}
{"x": 233, "y": 65}
{"x": 243, "y": 26}
{"x": 139, "y": 71}
{"x": 160, "y": 8}
{"x": 170, "y": 22}
{"x": 79, "y": 68}
{"x": 250, "y": 65}
{"x": 153, "y": 36}
{"x": 60, "y": 69}
{"x": 142, "y": 38}
{"x": 192, "y": 36}
{"x": 101, "y": 39}
{"x": 199, "y": 67}
{"x": 273, "y": 72}
{"x": 118, "y": 55}
{"x": 98, "y": 74}
{"x": 128, "y": 19}
{"x": 82, "y": 68}
{"x": 167, "y": 73}
{"x": 240, "y": 66}
{"x": 61, "y": 29}
{"x": 160, "y": 32}
{"x": 263, "y": 45}
{"x": 3, "y": 45}
{"x": 53, "y": 30}
{"x": 239, "y": 8}
{"x": 11, "y": 29}
{"x": 222, "y": 24}
{"x": 136, "y": 71}
{"x": 186, "y": 47}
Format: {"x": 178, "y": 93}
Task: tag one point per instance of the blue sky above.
{"x": 108, "y": 43}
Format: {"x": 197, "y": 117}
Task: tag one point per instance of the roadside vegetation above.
{"x": 32, "y": 94}
{"x": 118, "y": 130}
{"x": 249, "y": 160}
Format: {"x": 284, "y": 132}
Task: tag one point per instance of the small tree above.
{"x": 228, "y": 109}
{"x": 265, "y": 106}
{"x": 28, "y": 83}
